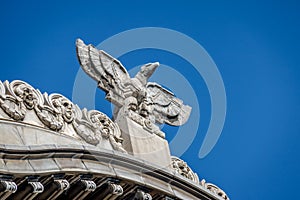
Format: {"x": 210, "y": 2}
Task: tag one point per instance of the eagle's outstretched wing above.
{"x": 166, "y": 107}
{"x": 110, "y": 74}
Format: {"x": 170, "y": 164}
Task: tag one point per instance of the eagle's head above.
{"x": 146, "y": 71}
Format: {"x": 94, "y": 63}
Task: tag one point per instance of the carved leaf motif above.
{"x": 84, "y": 127}
{"x": 93, "y": 126}
{"x": 13, "y": 108}
{"x": 49, "y": 115}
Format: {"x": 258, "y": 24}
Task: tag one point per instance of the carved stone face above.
{"x": 66, "y": 108}
{"x": 131, "y": 103}
{"x": 183, "y": 168}
{"x": 132, "y": 106}
{"x": 145, "y": 108}
{"x": 103, "y": 123}
{"x": 68, "y": 112}
{"x": 217, "y": 190}
{"x": 26, "y": 94}
{"x": 105, "y": 132}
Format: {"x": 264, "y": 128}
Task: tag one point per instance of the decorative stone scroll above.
{"x": 9, "y": 186}
{"x": 214, "y": 189}
{"x": 62, "y": 184}
{"x": 36, "y": 186}
{"x": 93, "y": 125}
{"x": 55, "y": 110}
{"x": 141, "y": 195}
{"x": 115, "y": 189}
{"x": 89, "y": 185}
{"x": 56, "y": 113}
{"x": 50, "y": 113}
{"x": 183, "y": 169}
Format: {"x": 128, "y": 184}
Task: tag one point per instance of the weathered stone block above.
{"x": 95, "y": 166}
{"x": 10, "y": 133}
{"x": 144, "y": 144}
{"x": 44, "y": 165}
{"x": 17, "y": 165}
{"x": 70, "y": 163}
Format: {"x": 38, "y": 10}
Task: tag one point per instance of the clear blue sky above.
{"x": 255, "y": 45}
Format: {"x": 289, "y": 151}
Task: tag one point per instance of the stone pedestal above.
{"x": 142, "y": 140}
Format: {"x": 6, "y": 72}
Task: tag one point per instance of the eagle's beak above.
{"x": 151, "y": 68}
{"x": 156, "y": 64}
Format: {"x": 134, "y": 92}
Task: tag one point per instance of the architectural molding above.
{"x": 87, "y": 163}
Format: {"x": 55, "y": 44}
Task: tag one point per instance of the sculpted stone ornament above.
{"x": 214, "y": 189}
{"x": 26, "y": 93}
{"x": 152, "y": 101}
{"x": 89, "y": 185}
{"x": 49, "y": 114}
{"x": 9, "y": 186}
{"x": 93, "y": 125}
{"x": 15, "y": 97}
{"x": 57, "y": 113}
{"x": 36, "y": 186}
{"x": 115, "y": 189}
{"x": 141, "y": 117}
{"x": 140, "y": 106}
{"x": 64, "y": 107}
{"x": 62, "y": 184}
{"x": 43, "y": 135}
{"x": 85, "y": 127}
{"x": 141, "y": 195}
{"x": 183, "y": 169}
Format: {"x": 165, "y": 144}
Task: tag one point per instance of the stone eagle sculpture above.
{"x": 148, "y": 99}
